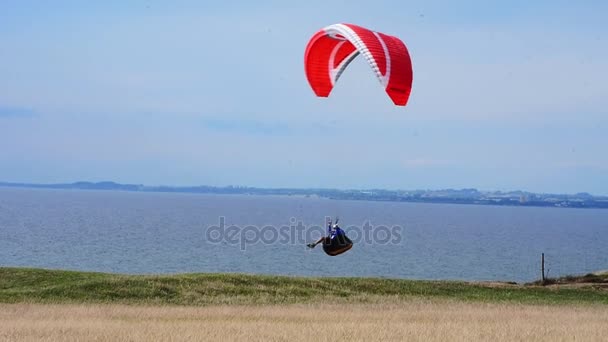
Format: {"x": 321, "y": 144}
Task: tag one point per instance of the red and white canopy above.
{"x": 331, "y": 49}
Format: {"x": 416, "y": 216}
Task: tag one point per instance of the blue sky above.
{"x": 506, "y": 95}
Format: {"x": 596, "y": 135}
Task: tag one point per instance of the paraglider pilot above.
{"x": 333, "y": 231}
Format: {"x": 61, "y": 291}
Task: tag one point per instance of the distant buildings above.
{"x": 458, "y": 196}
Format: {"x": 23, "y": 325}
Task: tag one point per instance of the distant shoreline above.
{"x": 446, "y": 196}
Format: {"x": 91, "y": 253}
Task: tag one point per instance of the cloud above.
{"x": 598, "y": 165}
{"x": 247, "y": 127}
{"x": 16, "y": 112}
{"x": 425, "y": 162}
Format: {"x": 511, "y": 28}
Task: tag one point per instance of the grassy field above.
{"x": 20, "y": 285}
{"x": 414, "y": 320}
{"x": 51, "y": 305}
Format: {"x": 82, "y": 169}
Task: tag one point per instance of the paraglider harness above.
{"x": 336, "y": 242}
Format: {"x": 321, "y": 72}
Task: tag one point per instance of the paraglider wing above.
{"x": 330, "y": 50}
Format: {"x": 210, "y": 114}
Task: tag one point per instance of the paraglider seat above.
{"x": 338, "y": 245}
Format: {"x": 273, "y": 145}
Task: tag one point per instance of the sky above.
{"x": 506, "y": 95}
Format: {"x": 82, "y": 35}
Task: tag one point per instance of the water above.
{"x": 130, "y": 232}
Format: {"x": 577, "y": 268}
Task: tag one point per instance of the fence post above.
{"x": 542, "y": 268}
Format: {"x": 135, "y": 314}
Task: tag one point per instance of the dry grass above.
{"x": 411, "y": 320}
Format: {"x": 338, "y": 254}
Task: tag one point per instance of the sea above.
{"x": 168, "y": 233}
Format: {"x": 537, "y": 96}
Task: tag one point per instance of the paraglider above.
{"x": 331, "y": 49}
{"x": 336, "y": 242}
{"x": 328, "y": 53}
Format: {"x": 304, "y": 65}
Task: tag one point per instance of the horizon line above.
{"x": 25, "y": 184}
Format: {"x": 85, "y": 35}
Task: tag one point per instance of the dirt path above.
{"x": 417, "y": 320}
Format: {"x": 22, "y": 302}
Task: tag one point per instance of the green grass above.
{"x": 22, "y": 285}
{"x": 589, "y": 278}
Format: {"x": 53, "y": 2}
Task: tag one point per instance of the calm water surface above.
{"x": 130, "y": 232}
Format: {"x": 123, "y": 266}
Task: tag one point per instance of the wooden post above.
{"x": 542, "y": 267}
